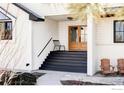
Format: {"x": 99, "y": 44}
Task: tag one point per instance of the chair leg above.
{"x": 59, "y": 48}
{"x": 54, "y": 48}
{"x": 64, "y": 48}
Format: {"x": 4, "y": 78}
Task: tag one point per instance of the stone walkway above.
{"x": 54, "y": 78}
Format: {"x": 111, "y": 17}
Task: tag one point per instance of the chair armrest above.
{"x": 118, "y": 66}
{"x": 112, "y": 67}
{"x": 57, "y": 45}
{"x": 101, "y": 68}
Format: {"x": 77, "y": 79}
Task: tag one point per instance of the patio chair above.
{"x": 106, "y": 68}
{"x": 58, "y": 45}
{"x": 120, "y": 66}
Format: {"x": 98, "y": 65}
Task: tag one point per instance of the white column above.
{"x": 91, "y": 64}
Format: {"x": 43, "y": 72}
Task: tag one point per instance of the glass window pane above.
{"x": 2, "y": 28}
{"x": 73, "y": 34}
{"x": 117, "y": 26}
{"x": 85, "y": 38}
{"x": 8, "y": 26}
{"x": 82, "y": 32}
{"x": 121, "y": 26}
{"x": 3, "y": 17}
{"x": 82, "y": 38}
{"x": 119, "y": 36}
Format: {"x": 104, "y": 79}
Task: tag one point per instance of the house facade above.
{"x": 35, "y": 24}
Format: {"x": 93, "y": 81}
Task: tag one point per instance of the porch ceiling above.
{"x": 60, "y": 18}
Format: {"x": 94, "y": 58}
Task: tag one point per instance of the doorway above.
{"x": 77, "y": 38}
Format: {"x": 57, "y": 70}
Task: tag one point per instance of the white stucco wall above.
{"x": 16, "y": 53}
{"x": 106, "y": 48}
{"x": 63, "y": 30}
{"x": 42, "y": 32}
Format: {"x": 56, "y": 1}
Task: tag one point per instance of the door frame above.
{"x": 69, "y": 33}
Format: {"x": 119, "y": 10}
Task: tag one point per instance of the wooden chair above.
{"x": 106, "y": 68}
{"x": 120, "y": 66}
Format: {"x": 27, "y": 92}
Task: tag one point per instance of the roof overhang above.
{"x": 32, "y": 16}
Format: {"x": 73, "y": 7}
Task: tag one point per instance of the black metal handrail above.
{"x": 44, "y": 47}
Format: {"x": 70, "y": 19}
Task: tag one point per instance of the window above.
{"x": 6, "y": 30}
{"x": 119, "y": 31}
{"x": 83, "y": 33}
{"x": 5, "y": 27}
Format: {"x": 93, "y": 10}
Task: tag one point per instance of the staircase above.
{"x": 70, "y": 61}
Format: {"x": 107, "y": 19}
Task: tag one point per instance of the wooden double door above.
{"x": 77, "y": 38}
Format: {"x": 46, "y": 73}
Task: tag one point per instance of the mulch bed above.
{"x": 74, "y": 82}
{"x": 19, "y": 78}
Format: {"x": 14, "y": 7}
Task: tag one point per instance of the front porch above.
{"x": 99, "y": 42}
{"x": 73, "y": 35}
{"x": 100, "y": 38}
